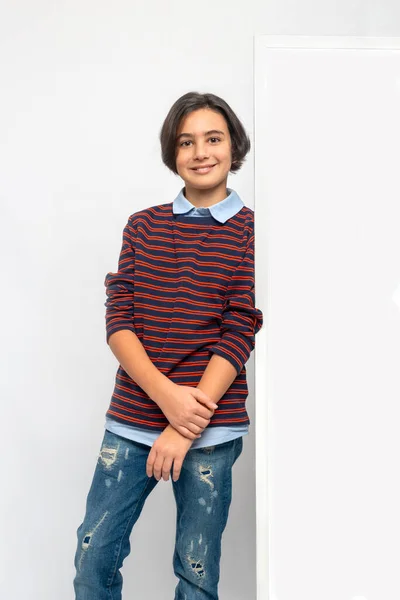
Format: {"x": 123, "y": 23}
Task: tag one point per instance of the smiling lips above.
{"x": 205, "y": 169}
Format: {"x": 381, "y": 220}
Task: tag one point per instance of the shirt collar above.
{"x": 222, "y": 211}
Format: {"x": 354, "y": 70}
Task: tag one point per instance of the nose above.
{"x": 200, "y": 151}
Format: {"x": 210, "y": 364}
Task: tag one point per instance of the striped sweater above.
{"x": 185, "y": 286}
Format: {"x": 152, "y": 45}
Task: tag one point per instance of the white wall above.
{"x": 327, "y": 372}
{"x": 84, "y": 89}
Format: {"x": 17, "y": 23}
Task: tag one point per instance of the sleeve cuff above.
{"x": 235, "y": 348}
{"x": 112, "y": 328}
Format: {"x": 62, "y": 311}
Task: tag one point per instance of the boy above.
{"x": 181, "y": 322}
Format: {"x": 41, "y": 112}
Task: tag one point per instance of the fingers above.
{"x": 161, "y": 466}
{"x": 150, "y": 462}
{"x": 204, "y": 399}
{"x": 166, "y": 468}
{"x": 200, "y": 421}
{"x": 188, "y": 434}
{"x": 195, "y": 429}
{"x": 204, "y": 412}
{"x": 177, "y": 468}
{"x": 158, "y": 465}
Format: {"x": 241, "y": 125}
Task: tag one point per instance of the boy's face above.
{"x": 198, "y": 148}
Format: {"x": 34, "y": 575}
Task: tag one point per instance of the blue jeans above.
{"x": 117, "y": 495}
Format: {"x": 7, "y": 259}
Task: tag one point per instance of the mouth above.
{"x": 203, "y": 170}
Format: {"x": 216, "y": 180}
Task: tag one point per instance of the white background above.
{"x": 85, "y": 87}
{"x": 327, "y": 188}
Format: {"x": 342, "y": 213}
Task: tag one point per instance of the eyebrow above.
{"x": 205, "y": 133}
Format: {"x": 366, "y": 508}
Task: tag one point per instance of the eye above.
{"x": 189, "y": 141}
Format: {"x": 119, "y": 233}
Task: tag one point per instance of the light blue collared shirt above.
{"x": 221, "y": 211}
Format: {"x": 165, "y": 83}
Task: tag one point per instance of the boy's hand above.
{"x": 188, "y": 409}
{"x": 170, "y": 447}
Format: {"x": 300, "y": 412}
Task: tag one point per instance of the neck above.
{"x": 205, "y": 198}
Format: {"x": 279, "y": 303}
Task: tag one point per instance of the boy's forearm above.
{"x": 217, "y": 377}
{"x": 133, "y": 358}
{"x": 131, "y": 355}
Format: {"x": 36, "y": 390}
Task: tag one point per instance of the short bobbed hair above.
{"x": 190, "y": 102}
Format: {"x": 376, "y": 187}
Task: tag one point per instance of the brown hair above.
{"x": 193, "y": 101}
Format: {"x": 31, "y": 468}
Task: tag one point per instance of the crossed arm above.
{"x": 189, "y": 415}
{"x": 188, "y": 410}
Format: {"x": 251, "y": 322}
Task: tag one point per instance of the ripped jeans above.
{"x": 117, "y": 495}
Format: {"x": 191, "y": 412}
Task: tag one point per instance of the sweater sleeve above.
{"x": 241, "y": 320}
{"x": 120, "y": 287}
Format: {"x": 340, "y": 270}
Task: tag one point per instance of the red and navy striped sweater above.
{"x": 185, "y": 286}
